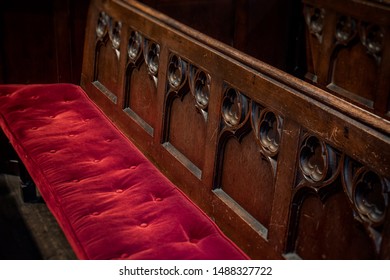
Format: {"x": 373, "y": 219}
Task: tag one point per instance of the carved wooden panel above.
{"x": 339, "y": 206}
{"x": 246, "y": 162}
{"x": 348, "y": 51}
{"x": 187, "y": 98}
{"x": 107, "y": 56}
{"x": 141, "y": 80}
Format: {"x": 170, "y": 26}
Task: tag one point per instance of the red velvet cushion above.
{"x": 111, "y": 202}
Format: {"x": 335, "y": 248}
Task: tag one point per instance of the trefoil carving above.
{"x": 183, "y": 76}
{"x": 314, "y": 18}
{"x": 107, "y": 25}
{"x": 372, "y": 37}
{"x": 152, "y": 58}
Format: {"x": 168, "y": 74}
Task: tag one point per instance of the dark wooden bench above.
{"x": 285, "y": 169}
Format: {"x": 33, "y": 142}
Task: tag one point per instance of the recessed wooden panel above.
{"x": 338, "y": 210}
{"x": 354, "y": 75}
{"x": 107, "y": 56}
{"x": 186, "y": 113}
{"x": 141, "y": 97}
{"x": 188, "y": 137}
{"x": 246, "y": 162}
{"x": 107, "y": 68}
{"x": 328, "y": 230}
{"x": 348, "y": 50}
{"x": 245, "y": 171}
{"x": 140, "y": 101}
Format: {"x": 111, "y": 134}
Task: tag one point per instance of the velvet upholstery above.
{"x": 110, "y": 201}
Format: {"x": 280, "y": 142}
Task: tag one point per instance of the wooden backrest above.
{"x": 285, "y": 169}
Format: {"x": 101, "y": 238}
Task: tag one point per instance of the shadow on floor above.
{"x": 28, "y": 231}
{"x": 16, "y": 242}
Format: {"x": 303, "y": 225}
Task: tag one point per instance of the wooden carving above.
{"x": 368, "y": 194}
{"x": 268, "y": 130}
{"x": 107, "y": 55}
{"x": 347, "y": 51}
{"x": 338, "y": 208}
{"x": 141, "y": 80}
{"x": 314, "y": 18}
{"x": 372, "y": 37}
{"x": 248, "y": 147}
{"x": 187, "y": 98}
{"x": 152, "y": 58}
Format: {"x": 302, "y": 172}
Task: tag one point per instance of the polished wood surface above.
{"x": 285, "y": 168}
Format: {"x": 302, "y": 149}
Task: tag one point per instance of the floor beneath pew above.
{"x": 28, "y": 231}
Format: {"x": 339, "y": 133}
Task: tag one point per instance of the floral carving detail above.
{"x": 152, "y": 58}
{"x": 202, "y": 89}
{"x": 234, "y": 107}
{"x": 315, "y": 21}
{"x": 314, "y": 159}
{"x": 102, "y": 25}
{"x": 115, "y": 34}
{"x": 134, "y": 46}
{"x": 368, "y": 193}
{"x": 372, "y": 37}
{"x": 345, "y": 30}
{"x": 370, "y": 196}
{"x": 183, "y": 78}
{"x": 270, "y": 133}
{"x": 107, "y": 24}
{"x": 177, "y": 71}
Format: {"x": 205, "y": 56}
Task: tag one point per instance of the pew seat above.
{"x": 109, "y": 199}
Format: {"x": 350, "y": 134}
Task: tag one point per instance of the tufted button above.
{"x": 194, "y": 240}
{"x": 53, "y": 151}
{"x": 71, "y": 135}
{"x": 96, "y": 160}
{"x": 133, "y": 167}
{"x": 75, "y": 180}
{"x": 119, "y": 191}
{"x": 108, "y": 140}
{"x": 52, "y": 116}
{"x": 124, "y": 256}
{"x": 34, "y": 128}
{"x": 95, "y": 213}
{"x": 143, "y": 225}
{"x": 158, "y": 199}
